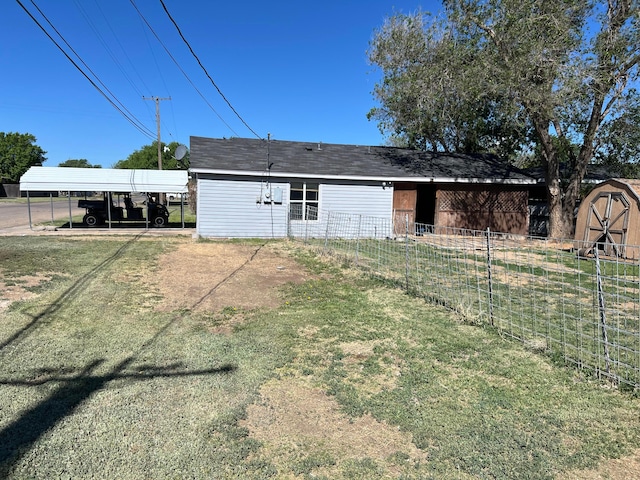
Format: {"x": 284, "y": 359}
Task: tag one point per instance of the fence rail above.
{"x": 548, "y": 294}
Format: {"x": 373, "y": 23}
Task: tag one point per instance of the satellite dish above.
{"x": 181, "y": 151}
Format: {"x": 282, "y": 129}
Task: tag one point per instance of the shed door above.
{"x": 608, "y": 222}
{"x": 404, "y": 207}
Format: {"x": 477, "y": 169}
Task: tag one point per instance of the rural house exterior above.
{"x": 261, "y": 188}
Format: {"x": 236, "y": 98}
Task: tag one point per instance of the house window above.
{"x": 303, "y": 200}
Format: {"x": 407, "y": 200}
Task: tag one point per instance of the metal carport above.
{"x": 108, "y": 180}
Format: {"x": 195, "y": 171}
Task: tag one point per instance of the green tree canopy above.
{"x": 18, "y": 152}
{"x": 78, "y": 163}
{"x": 500, "y": 74}
{"x": 147, "y": 158}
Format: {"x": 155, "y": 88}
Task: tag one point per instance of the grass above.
{"x": 97, "y": 383}
{"x": 536, "y": 293}
{"x": 175, "y": 219}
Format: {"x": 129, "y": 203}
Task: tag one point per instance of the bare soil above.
{"x": 214, "y": 276}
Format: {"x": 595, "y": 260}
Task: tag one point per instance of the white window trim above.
{"x": 303, "y": 202}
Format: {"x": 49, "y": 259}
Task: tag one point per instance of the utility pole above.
{"x": 157, "y": 100}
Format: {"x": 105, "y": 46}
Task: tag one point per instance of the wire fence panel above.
{"x": 572, "y": 300}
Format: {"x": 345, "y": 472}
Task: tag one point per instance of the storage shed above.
{"x": 609, "y": 219}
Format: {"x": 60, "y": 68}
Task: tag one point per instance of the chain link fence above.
{"x": 575, "y": 302}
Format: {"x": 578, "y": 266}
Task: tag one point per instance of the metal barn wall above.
{"x": 500, "y": 208}
{"x": 227, "y": 206}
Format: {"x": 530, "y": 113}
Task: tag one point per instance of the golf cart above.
{"x": 98, "y": 212}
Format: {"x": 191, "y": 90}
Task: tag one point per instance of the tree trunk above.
{"x": 560, "y": 224}
{"x": 560, "y": 213}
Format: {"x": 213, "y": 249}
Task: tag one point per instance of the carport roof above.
{"x": 49, "y": 179}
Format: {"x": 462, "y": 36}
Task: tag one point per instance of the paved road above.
{"x": 14, "y": 214}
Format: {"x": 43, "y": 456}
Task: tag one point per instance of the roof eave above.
{"x": 375, "y": 178}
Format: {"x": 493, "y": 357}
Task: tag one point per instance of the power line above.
{"x": 87, "y": 66}
{"x": 205, "y": 70}
{"x": 180, "y": 68}
{"x": 135, "y": 122}
{"x": 103, "y": 41}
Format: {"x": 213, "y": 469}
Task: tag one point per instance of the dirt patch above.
{"x": 294, "y": 417}
{"x": 217, "y": 276}
{"x": 17, "y": 289}
{"x": 616, "y": 469}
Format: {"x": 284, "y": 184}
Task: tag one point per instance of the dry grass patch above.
{"x": 17, "y": 288}
{"x": 616, "y": 469}
{"x": 294, "y": 418}
{"x": 211, "y": 276}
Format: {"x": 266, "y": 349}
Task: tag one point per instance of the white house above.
{"x": 263, "y": 188}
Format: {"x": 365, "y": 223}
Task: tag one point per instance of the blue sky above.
{"x": 297, "y": 70}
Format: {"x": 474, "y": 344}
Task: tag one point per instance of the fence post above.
{"x": 406, "y": 252}
{"x": 489, "y": 277}
{"x": 326, "y": 235}
{"x": 603, "y": 315}
{"x": 358, "y": 238}
{"x": 306, "y": 225}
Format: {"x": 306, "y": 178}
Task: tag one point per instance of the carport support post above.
{"x": 51, "y": 205}
{"x": 70, "y": 217}
{"x": 146, "y": 220}
{"x": 109, "y": 208}
{"x": 182, "y": 209}
{"x": 29, "y": 210}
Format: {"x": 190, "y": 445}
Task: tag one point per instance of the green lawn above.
{"x": 96, "y": 382}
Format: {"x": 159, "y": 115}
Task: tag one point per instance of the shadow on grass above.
{"x": 17, "y": 438}
{"x": 127, "y": 226}
{"x": 71, "y": 292}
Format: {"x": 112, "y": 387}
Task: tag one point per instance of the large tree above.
{"x": 78, "y": 163}
{"x": 147, "y": 158}
{"x": 508, "y": 72}
{"x": 18, "y": 152}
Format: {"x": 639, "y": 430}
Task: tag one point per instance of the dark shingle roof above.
{"x": 309, "y": 159}
{"x": 594, "y": 173}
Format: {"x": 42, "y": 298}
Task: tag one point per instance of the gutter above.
{"x": 377, "y": 178}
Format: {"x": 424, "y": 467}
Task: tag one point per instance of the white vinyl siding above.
{"x": 229, "y": 208}
{"x": 360, "y": 199}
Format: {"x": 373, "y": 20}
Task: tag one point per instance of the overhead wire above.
{"x": 181, "y": 69}
{"x": 158, "y": 69}
{"x": 205, "y": 70}
{"x": 127, "y": 115}
{"x": 102, "y": 40}
{"x": 148, "y": 131}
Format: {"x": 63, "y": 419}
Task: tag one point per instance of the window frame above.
{"x": 305, "y": 201}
